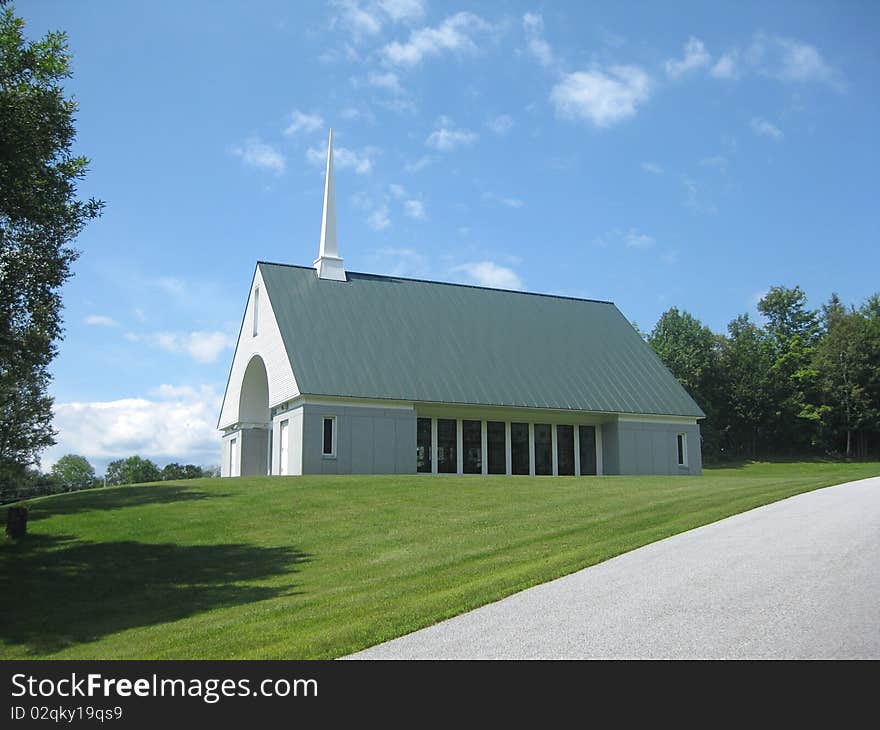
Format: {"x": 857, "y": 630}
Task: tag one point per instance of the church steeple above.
{"x": 329, "y": 263}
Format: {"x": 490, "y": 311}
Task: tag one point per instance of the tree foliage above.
{"x": 40, "y": 217}
{"x": 132, "y": 470}
{"x": 72, "y": 472}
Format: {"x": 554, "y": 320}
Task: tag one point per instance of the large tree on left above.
{"x": 40, "y": 217}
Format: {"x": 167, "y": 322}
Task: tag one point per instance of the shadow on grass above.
{"x": 57, "y": 591}
{"x": 89, "y": 500}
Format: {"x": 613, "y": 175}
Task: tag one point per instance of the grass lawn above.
{"x": 317, "y": 567}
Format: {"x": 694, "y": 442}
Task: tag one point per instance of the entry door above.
{"x": 285, "y": 441}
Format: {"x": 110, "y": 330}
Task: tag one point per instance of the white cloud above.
{"x": 358, "y": 18}
{"x": 178, "y": 424}
{"x": 401, "y": 262}
{"x": 302, "y": 122}
{"x": 763, "y": 128}
{"x": 500, "y": 124}
{"x": 636, "y": 239}
{"x": 202, "y": 346}
{"x": 404, "y": 11}
{"x": 652, "y": 167}
{"x": 453, "y": 35}
{"x": 695, "y": 56}
{"x": 256, "y": 153}
{"x": 389, "y": 81}
{"x": 415, "y": 209}
{"x": 603, "y": 98}
{"x": 487, "y": 273}
{"x": 727, "y": 67}
{"x": 397, "y": 191}
{"x": 446, "y": 137}
{"x": 417, "y": 165}
{"x": 361, "y": 161}
{"x": 509, "y": 202}
{"x": 791, "y": 60}
{"x": 379, "y": 219}
{"x": 533, "y": 25}
{"x": 717, "y": 162}
{"x": 101, "y": 320}
{"x": 695, "y": 198}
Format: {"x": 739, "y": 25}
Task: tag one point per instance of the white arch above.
{"x": 253, "y": 404}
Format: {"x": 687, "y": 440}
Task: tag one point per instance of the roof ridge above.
{"x": 449, "y": 283}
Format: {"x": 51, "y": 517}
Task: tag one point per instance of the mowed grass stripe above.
{"x": 317, "y": 567}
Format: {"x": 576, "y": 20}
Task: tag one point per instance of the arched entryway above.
{"x": 253, "y": 415}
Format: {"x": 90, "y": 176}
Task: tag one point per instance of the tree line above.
{"x": 72, "y": 473}
{"x": 805, "y": 382}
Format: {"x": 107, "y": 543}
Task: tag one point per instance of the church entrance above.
{"x": 253, "y": 410}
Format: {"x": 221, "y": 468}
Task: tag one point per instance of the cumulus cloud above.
{"x": 404, "y": 11}
{"x": 637, "y": 239}
{"x": 415, "y": 209}
{"x": 379, "y": 219}
{"x": 488, "y": 273}
{"x": 500, "y": 124}
{"x": 727, "y": 66}
{"x": 202, "y": 346}
{"x": 601, "y": 97}
{"x": 389, "y": 81}
{"x": 361, "y": 161}
{"x": 537, "y": 46}
{"x": 508, "y": 202}
{"x": 695, "y": 56}
{"x": 454, "y": 35}
{"x": 177, "y": 423}
{"x": 256, "y": 153}
{"x": 791, "y": 60}
{"x": 763, "y": 128}
{"x": 302, "y": 122}
{"x": 631, "y": 238}
{"x": 447, "y": 137}
{"x": 101, "y": 320}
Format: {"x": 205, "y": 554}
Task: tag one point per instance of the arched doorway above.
{"x": 253, "y": 415}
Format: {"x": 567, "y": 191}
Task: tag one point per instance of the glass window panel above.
{"x": 565, "y": 450}
{"x": 472, "y": 447}
{"x": 681, "y": 449}
{"x": 328, "y": 436}
{"x": 519, "y": 448}
{"x": 543, "y": 448}
{"x": 423, "y": 445}
{"x": 497, "y": 447}
{"x": 446, "y": 442}
{"x": 587, "y": 437}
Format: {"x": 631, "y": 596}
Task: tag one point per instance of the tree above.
{"x": 132, "y": 470}
{"x": 173, "y": 471}
{"x": 73, "y": 472}
{"x": 690, "y": 350}
{"x": 40, "y": 217}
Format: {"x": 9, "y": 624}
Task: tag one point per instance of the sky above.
{"x": 652, "y": 154}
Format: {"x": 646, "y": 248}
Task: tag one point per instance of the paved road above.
{"x": 795, "y": 579}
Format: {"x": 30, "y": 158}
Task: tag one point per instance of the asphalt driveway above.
{"x": 796, "y": 579}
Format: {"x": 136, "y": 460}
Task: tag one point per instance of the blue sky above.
{"x": 653, "y": 154}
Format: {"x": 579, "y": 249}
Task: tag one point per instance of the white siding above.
{"x": 268, "y": 345}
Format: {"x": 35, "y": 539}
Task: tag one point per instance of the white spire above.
{"x": 329, "y": 264}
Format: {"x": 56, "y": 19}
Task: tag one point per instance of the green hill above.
{"x": 317, "y": 567}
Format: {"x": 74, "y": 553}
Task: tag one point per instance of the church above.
{"x": 337, "y": 372}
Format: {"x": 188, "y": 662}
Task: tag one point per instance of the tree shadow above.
{"x": 57, "y": 591}
{"x": 88, "y": 500}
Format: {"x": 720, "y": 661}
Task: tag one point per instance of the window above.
{"x": 519, "y": 448}
{"x": 565, "y": 450}
{"x": 256, "y": 311}
{"x": 682, "y": 443}
{"x": 543, "y": 448}
{"x": 329, "y": 436}
{"x": 587, "y": 448}
{"x": 423, "y": 445}
{"x": 497, "y": 447}
{"x": 446, "y": 446}
{"x": 233, "y": 456}
{"x": 283, "y": 447}
{"x": 472, "y": 447}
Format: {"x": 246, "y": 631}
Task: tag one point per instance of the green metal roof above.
{"x": 411, "y": 340}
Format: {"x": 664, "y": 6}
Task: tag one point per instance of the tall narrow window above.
{"x": 682, "y": 449}
{"x": 283, "y": 451}
{"x": 519, "y": 448}
{"x": 496, "y": 446}
{"x": 423, "y": 445}
{"x": 233, "y": 456}
{"x": 587, "y": 437}
{"x": 472, "y": 447}
{"x": 256, "y": 311}
{"x": 446, "y": 446}
{"x": 543, "y": 448}
{"x": 329, "y": 436}
{"x": 565, "y": 450}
